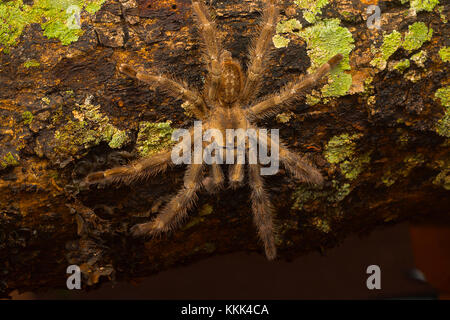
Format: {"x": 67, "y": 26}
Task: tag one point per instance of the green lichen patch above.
{"x": 324, "y": 40}
{"x": 443, "y": 177}
{"x": 422, "y": 5}
{"x": 420, "y": 58}
{"x": 313, "y": 8}
{"x": 58, "y": 19}
{"x": 31, "y": 63}
{"x": 443, "y": 125}
{"x": 418, "y": 33}
{"x": 280, "y": 41}
{"x": 341, "y": 150}
{"x": 284, "y": 117}
{"x": 88, "y": 128}
{"x": 27, "y": 117}
{"x": 392, "y": 175}
{"x": 391, "y": 43}
{"x": 154, "y": 137}
{"x": 444, "y": 53}
{"x": 9, "y": 160}
{"x": 402, "y": 65}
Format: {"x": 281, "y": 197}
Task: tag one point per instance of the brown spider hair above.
{"x": 227, "y": 102}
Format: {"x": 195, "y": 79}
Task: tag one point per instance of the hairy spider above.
{"x": 226, "y": 102}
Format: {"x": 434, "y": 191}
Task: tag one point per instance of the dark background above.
{"x": 339, "y": 274}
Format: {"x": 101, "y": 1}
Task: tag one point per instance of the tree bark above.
{"x": 65, "y": 111}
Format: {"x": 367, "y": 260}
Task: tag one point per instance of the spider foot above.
{"x": 147, "y": 229}
{"x": 128, "y": 70}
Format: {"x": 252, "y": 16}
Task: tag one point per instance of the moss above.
{"x": 443, "y": 125}
{"x": 9, "y": 160}
{"x": 418, "y": 33}
{"x": 31, "y": 63}
{"x": 444, "y": 53}
{"x": 88, "y": 128}
{"x": 391, "y": 43}
{"x": 402, "y": 65}
{"x": 321, "y": 224}
{"x": 341, "y": 150}
{"x": 324, "y": 40}
{"x": 54, "y": 16}
{"x": 313, "y": 8}
{"x": 27, "y": 117}
{"x": 153, "y": 137}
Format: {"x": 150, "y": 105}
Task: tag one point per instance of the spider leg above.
{"x": 137, "y": 170}
{"x": 299, "y": 167}
{"x": 272, "y": 105}
{"x": 173, "y": 88}
{"x": 213, "y": 48}
{"x": 259, "y": 51}
{"x": 177, "y": 208}
{"x": 262, "y": 211}
{"x": 214, "y": 182}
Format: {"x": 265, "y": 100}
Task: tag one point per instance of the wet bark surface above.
{"x": 52, "y": 117}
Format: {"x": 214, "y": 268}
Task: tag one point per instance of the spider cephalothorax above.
{"x": 227, "y": 102}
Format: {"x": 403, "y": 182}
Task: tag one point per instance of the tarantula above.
{"x": 226, "y": 102}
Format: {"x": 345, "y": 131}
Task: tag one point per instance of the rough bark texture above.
{"x": 65, "y": 111}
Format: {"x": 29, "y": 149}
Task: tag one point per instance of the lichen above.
{"x": 418, "y": 33}
{"x": 444, "y": 53}
{"x": 422, "y": 5}
{"x": 324, "y": 40}
{"x": 31, "y": 63}
{"x": 391, "y": 43}
{"x": 392, "y": 174}
{"x": 284, "y": 117}
{"x": 9, "y": 160}
{"x": 27, "y": 117}
{"x": 443, "y": 177}
{"x": 88, "y": 128}
{"x": 420, "y": 58}
{"x": 55, "y": 17}
{"x": 443, "y": 125}
{"x": 280, "y": 41}
{"x": 341, "y": 150}
{"x": 153, "y": 137}
{"x": 402, "y": 65}
{"x": 313, "y": 8}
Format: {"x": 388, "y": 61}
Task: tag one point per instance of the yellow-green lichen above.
{"x": 31, "y": 63}
{"x": 56, "y": 17}
{"x": 402, "y": 65}
{"x": 418, "y": 33}
{"x": 280, "y": 41}
{"x": 9, "y": 160}
{"x": 392, "y": 175}
{"x": 420, "y": 58}
{"x": 443, "y": 177}
{"x": 341, "y": 150}
{"x": 313, "y": 8}
{"x": 391, "y": 43}
{"x": 422, "y": 5}
{"x": 443, "y": 125}
{"x": 27, "y": 117}
{"x": 88, "y": 128}
{"x": 324, "y": 40}
{"x": 154, "y": 137}
{"x": 284, "y": 117}
{"x": 444, "y": 53}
